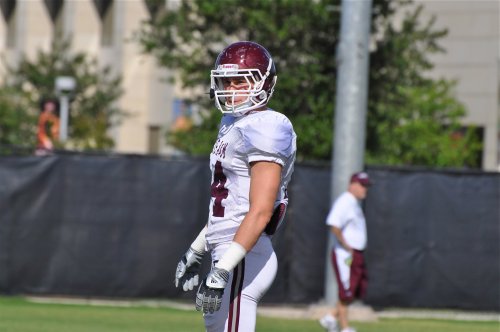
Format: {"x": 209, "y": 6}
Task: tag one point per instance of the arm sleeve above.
{"x": 199, "y": 244}
{"x": 337, "y": 217}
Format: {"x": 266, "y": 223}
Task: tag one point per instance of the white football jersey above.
{"x": 259, "y": 136}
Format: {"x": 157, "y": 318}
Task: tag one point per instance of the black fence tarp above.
{"x": 434, "y": 239}
{"x": 115, "y": 226}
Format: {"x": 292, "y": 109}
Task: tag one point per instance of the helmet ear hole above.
{"x": 262, "y": 95}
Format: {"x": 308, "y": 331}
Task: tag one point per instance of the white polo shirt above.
{"x": 346, "y": 214}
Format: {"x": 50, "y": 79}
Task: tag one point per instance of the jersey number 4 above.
{"x": 219, "y": 192}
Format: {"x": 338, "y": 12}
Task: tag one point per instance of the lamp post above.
{"x": 64, "y": 86}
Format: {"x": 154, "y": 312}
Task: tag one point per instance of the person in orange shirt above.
{"x": 48, "y": 126}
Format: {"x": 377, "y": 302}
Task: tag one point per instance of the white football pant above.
{"x": 248, "y": 282}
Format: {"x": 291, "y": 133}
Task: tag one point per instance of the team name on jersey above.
{"x": 219, "y": 149}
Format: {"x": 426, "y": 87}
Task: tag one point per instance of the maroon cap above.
{"x": 362, "y": 178}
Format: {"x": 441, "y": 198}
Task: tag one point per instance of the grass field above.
{"x": 19, "y": 315}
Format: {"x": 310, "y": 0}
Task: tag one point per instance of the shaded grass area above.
{"x": 19, "y": 315}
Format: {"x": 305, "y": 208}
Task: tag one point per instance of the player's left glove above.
{"x": 209, "y": 294}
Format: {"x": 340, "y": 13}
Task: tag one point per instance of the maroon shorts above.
{"x": 357, "y": 280}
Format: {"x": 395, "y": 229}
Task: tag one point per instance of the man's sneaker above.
{"x": 348, "y": 329}
{"x": 329, "y": 323}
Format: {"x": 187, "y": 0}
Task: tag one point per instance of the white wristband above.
{"x": 233, "y": 255}
{"x": 199, "y": 244}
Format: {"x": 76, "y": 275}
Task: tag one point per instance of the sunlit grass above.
{"x": 19, "y": 315}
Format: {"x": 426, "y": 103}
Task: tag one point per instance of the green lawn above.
{"x": 19, "y": 315}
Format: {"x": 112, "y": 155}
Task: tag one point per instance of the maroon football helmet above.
{"x": 248, "y": 61}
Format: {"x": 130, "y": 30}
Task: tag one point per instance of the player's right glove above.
{"x": 188, "y": 269}
{"x": 209, "y": 294}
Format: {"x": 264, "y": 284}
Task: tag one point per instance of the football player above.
{"x": 251, "y": 163}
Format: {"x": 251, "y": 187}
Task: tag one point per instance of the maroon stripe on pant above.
{"x": 235, "y": 299}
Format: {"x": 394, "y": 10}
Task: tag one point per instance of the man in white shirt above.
{"x": 347, "y": 223}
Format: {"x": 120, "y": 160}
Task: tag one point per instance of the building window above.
{"x": 182, "y": 115}
{"x": 105, "y": 10}
{"x": 478, "y": 132}
{"x": 154, "y": 6}
{"x": 54, "y": 9}
{"x": 154, "y": 138}
{"x": 7, "y": 7}
{"x": 9, "y": 15}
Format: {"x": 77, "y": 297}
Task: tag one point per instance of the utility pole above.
{"x": 350, "y": 109}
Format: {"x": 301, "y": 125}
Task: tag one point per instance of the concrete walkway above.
{"x": 363, "y": 313}
{"x": 357, "y": 311}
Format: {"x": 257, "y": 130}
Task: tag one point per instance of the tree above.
{"x": 17, "y": 122}
{"x": 414, "y": 120}
{"x": 92, "y": 107}
{"x": 303, "y": 35}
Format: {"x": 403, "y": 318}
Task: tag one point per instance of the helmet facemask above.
{"x": 255, "y": 95}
